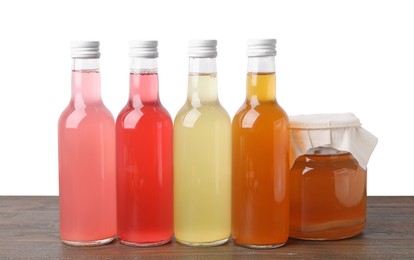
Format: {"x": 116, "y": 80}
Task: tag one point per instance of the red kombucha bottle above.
{"x": 144, "y": 156}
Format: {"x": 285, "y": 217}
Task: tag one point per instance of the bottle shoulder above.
{"x": 272, "y": 109}
{"x": 204, "y": 114}
{"x": 87, "y": 116}
{"x": 150, "y": 108}
{"x": 260, "y": 114}
{"x": 144, "y": 115}
{"x": 205, "y": 110}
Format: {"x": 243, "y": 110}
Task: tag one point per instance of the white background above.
{"x": 333, "y": 56}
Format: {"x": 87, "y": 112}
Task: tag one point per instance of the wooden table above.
{"x": 29, "y": 228}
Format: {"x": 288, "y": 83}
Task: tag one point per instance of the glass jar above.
{"x": 328, "y": 184}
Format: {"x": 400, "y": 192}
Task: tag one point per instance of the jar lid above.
{"x": 323, "y": 121}
{"x": 339, "y": 131}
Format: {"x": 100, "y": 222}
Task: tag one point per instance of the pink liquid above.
{"x": 87, "y": 164}
{"x": 144, "y": 166}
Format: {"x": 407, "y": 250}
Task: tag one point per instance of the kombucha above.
{"x": 87, "y": 162}
{"x": 328, "y": 195}
{"x": 202, "y": 157}
{"x": 144, "y": 166}
{"x": 260, "y": 196}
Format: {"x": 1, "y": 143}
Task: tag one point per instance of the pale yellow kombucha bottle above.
{"x": 202, "y": 155}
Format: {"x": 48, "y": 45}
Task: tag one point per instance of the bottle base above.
{"x": 99, "y": 242}
{"x": 145, "y": 244}
{"x": 255, "y": 246}
{"x": 203, "y": 244}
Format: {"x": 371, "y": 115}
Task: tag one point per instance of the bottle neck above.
{"x": 202, "y": 81}
{"x": 143, "y": 81}
{"x": 261, "y": 79}
{"x": 86, "y": 82}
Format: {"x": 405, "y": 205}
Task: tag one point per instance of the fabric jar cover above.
{"x": 340, "y": 131}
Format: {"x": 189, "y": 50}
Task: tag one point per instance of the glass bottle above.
{"x": 202, "y": 155}
{"x": 86, "y": 139}
{"x": 144, "y": 156}
{"x": 260, "y": 195}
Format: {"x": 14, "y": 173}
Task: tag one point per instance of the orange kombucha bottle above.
{"x": 260, "y": 163}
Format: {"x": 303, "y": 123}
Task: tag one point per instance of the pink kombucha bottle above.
{"x": 87, "y": 175}
{"x": 144, "y": 156}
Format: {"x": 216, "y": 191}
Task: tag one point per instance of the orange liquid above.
{"x": 260, "y": 195}
{"x": 327, "y": 195}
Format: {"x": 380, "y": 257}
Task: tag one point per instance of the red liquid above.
{"x": 144, "y": 166}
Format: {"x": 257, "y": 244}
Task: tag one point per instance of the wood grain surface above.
{"x": 29, "y": 229}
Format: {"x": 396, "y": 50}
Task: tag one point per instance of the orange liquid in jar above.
{"x": 327, "y": 195}
{"x": 260, "y": 196}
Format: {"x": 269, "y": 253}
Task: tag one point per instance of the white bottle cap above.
{"x": 261, "y": 47}
{"x": 202, "y": 48}
{"x": 143, "y": 49}
{"x": 85, "y": 49}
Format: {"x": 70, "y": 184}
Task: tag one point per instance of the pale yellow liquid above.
{"x": 202, "y": 166}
